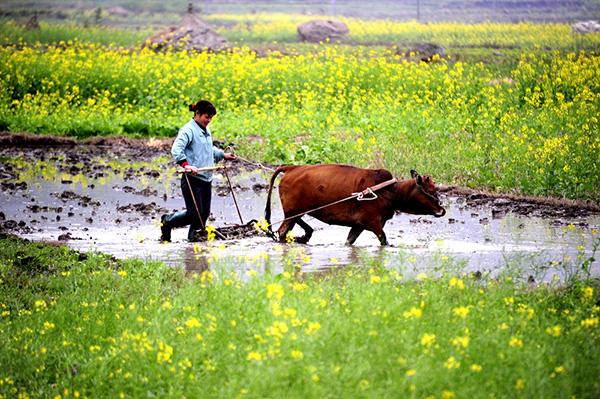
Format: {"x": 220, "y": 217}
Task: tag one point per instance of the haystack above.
{"x": 192, "y": 34}
{"x": 322, "y": 30}
{"x": 586, "y": 27}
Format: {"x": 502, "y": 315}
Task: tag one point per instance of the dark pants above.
{"x": 199, "y": 190}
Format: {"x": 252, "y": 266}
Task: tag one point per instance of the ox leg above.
{"x": 353, "y": 235}
{"x": 378, "y": 230}
{"x": 285, "y": 228}
{"x": 307, "y": 232}
{"x": 382, "y": 238}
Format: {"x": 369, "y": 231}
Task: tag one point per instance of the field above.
{"x": 510, "y": 109}
{"x": 76, "y": 325}
{"x": 521, "y": 119}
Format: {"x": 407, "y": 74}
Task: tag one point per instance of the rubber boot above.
{"x": 174, "y": 220}
{"x": 165, "y": 229}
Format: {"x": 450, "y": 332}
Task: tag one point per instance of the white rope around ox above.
{"x": 360, "y": 196}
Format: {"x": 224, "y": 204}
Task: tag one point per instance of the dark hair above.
{"x": 203, "y": 107}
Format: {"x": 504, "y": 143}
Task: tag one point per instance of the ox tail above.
{"x": 280, "y": 169}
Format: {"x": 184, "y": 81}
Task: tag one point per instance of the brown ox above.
{"x": 305, "y": 188}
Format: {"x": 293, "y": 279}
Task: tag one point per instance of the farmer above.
{"x": 193, "y": 149}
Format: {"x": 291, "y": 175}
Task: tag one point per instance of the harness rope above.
{"x": 359, "y": 196}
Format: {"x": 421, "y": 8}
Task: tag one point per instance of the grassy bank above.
{"x": 75, "y": 325}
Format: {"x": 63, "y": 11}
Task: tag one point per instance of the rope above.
{"x": 260, "y": 165}
{"x": 354, "y": 195}
{"x": 197, "y": 210}
{"x": 233, "y": 195}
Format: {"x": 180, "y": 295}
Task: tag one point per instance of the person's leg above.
{"x": 206, "y": 198}
{"x": 180, "y": 218}
{"x": 202, "y": 192}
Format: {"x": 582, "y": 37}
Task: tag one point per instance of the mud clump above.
{"x": 233, "y": 232}
{"x": 259, "y": 187}
{"x": 44, "y": 208}
{"x": 82, "y": 200}
{"x": 146, "y": 192}
{"x": 14, "y": 186}
{"x": 503, "y": 204}
{"x": 67, "y": 237}
{"x": 145, "y": 209}
{"x": 13, "y": 225}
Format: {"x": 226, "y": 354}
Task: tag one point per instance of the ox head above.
{"x": 423, "y": 197}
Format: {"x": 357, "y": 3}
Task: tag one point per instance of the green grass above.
{"x": 89, "y": 326}
{"x": 62, "y": 34}
{"x": 430, "y": 10}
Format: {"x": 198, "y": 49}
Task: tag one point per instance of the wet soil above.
{"x": 108, "y": 194}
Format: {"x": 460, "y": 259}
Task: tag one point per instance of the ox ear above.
{"x": 415, "y": 175}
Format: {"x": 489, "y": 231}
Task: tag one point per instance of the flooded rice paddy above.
{"x": 110, "y": 200}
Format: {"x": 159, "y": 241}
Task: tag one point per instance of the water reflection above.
{"x": 194, "y": 261}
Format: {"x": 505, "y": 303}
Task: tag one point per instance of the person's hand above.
{"x": 229, "y": 155}
{"x": 191, "y": 169}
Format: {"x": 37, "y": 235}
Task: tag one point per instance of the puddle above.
{"x": 119, "y": 214}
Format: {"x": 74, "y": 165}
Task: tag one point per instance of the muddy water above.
{"x": 120, "y": 216}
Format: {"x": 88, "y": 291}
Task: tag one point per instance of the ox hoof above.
{"x": 302, "y": 240}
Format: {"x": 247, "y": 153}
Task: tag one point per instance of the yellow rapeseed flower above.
{"x": 554, "y": 331}
{"x": 192, "y": 322}
{"x": 520, "y": 384}
{"x": 427, "y": 340}
{"x": 164, "y": 354}
{"x": 587, "y": 293}
{"x": 363, "y": 385}
{"x": 261, "y": 225}
{"x": 313, "y": 327}
{"x": 458, "y": 283}
{"x": 452, "y": 363}
{"x": 421, "y": 277}
{"x": 275, "y": 292}
{"x": 448, "y": 395}
{"x": 299, "y": 286}
{"x": 254, "y": 356}
{"x": 461, "y": 311}
{"x": 476, "y": 368}
{"x": 515, "y": 342}
{"x": 590, "y": 322}
{"x": 289, "y": 237}
{"x": 461, "y": 341}
{"x": 413, "y": 312}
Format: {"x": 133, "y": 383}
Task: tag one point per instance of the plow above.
{"x": 229, "y": 232}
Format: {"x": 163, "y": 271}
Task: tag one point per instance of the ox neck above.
{"x": 403, "y": 190}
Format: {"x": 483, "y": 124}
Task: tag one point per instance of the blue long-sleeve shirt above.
{"x": 195, "y": 146}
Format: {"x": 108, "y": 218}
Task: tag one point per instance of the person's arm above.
{"x": 179, "y": 145}
{"x": 184, "y": 137}
{"x": 218, "y": 154}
